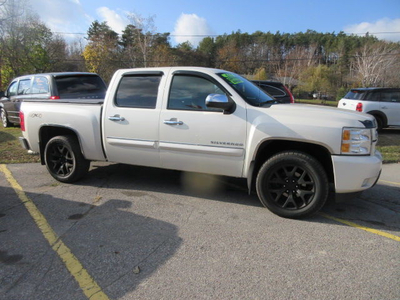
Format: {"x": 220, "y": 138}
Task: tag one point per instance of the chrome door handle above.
{"x": 116, "y": 118}
{"x": 384, "y": 107}
{"x": 173, "y": 122}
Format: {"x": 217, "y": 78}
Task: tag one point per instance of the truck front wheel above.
{"x": 292, "y": 185}
{"x": 4, "y": 119}
{"x": 64, "y": 159}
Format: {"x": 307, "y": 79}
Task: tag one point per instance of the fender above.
{"x": 63, "y": 130}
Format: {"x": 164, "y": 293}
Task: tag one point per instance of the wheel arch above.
{"x": 379, "y": 114}
{"x": 47, "y": 132}
{"x": 268, "y": 148}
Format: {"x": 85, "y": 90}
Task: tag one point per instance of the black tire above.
{"x": 64, "y": 159}
{"x": 4, "y": 119}
{"x": 379, "y": 123}
{"x": 292, "y": 185}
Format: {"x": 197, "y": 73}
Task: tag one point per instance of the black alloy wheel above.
{"x": 61, "y": 160}
{"x": 64, "y": 159}
{"x": 292, "y": 185}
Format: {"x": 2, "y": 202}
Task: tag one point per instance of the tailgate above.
{"x": 348, "y": 104}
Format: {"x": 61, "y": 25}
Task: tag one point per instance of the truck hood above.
{"x": 308, "y": 123}
{"x": 321, "y": 115}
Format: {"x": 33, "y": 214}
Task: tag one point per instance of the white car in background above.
{"x": 382, "y": 103}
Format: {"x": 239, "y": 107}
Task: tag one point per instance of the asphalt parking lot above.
{"x": 127, "y": 232}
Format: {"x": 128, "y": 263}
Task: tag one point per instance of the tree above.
{"x": 144, "y": 33}
{"x": 316, "y": 79}
{"x": 374, "y": 63}
{"x": 24, "y": 42}
{"x": 207, "y": 48}
{"x": 260, "y": 74}
{"x": 102, "y": 52}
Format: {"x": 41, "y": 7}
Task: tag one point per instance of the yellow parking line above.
{"x": 390, "y": 182}
{"x": 90, "y": 288}
{"x": 378, "y": 232}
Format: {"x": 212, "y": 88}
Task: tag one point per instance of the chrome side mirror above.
{"x": 222, "y": 102}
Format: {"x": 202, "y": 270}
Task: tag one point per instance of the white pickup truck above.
{"x": 209, "y": 121}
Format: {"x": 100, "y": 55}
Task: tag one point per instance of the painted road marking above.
{"x": 390, "y": 182}
{"x": 90, "y": 288}
{"x": 378, "y": 232}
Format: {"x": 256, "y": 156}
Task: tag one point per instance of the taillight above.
{"x": 359, "y": 107}
{"x": 54, "y": 97}
{"x": 22, "y": 120}
{"x": 290, "y": 94}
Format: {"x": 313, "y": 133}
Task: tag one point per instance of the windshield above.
{"x": 251, "y": 93}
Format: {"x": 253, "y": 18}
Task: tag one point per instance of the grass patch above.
{"x": 389, "y": 145}
{"x": 11, "y": 151}
{"x": 391, "y": 154}
{"x": 317, "y": 102}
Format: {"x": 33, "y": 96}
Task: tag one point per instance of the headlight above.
{"x": 356, "y": 141}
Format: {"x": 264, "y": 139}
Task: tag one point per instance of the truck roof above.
{"x": 59, "y": 74}
{"x": 168, "y": 69}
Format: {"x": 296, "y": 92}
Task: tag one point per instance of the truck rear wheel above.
{"x": 64, "y": 159}
{"x": 292, "y": 185}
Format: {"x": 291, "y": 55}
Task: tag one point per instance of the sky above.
{"x": 186, "y": 20}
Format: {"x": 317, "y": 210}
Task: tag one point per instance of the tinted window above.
{"x": 390, "y": 96}
{"x": 373, "y": 96}
{"x": 190, "y": 93}
{"x": 355, "y": 95}
{"x": 85, "y": 87}
{"x": 24, "y": 87}
{"x": 12, "y": 90}
{"x": 251, "y": 93}
{"x": 40, "y": 85}
{"x": 138, "y": 91}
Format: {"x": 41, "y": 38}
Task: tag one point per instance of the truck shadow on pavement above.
{"x": 377, "y": 208}
{"x": 118, "y": 248}
{"x": 137, "y": 178}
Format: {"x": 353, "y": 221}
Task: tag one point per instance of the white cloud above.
{"x": 188, "y": 26}
{"x": 113, "y": 19}
{"x": 378, "y": 29}
{"x": 62, "y": 16}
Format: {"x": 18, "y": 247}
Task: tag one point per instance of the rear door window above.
{"x": 138, "y": 91}
{"x": 24, "y": 87}
{"x": 391, "y": 96}
{"x": 81, "y": 86}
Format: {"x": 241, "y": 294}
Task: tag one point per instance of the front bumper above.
{"x": 356, "y": 173}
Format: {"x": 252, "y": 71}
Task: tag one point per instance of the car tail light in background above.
{"x": 290, "y": 94}
{"x": 359, "y": 107}
{"x": 22, "y": 120}
{"x": 54, "y": 97}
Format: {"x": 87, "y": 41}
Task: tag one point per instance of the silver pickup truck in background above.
{"x": 209, "y": 121}
{"x": 48, "y": 86}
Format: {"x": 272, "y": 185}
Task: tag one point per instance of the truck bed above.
{"x": 82, "y": 116}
